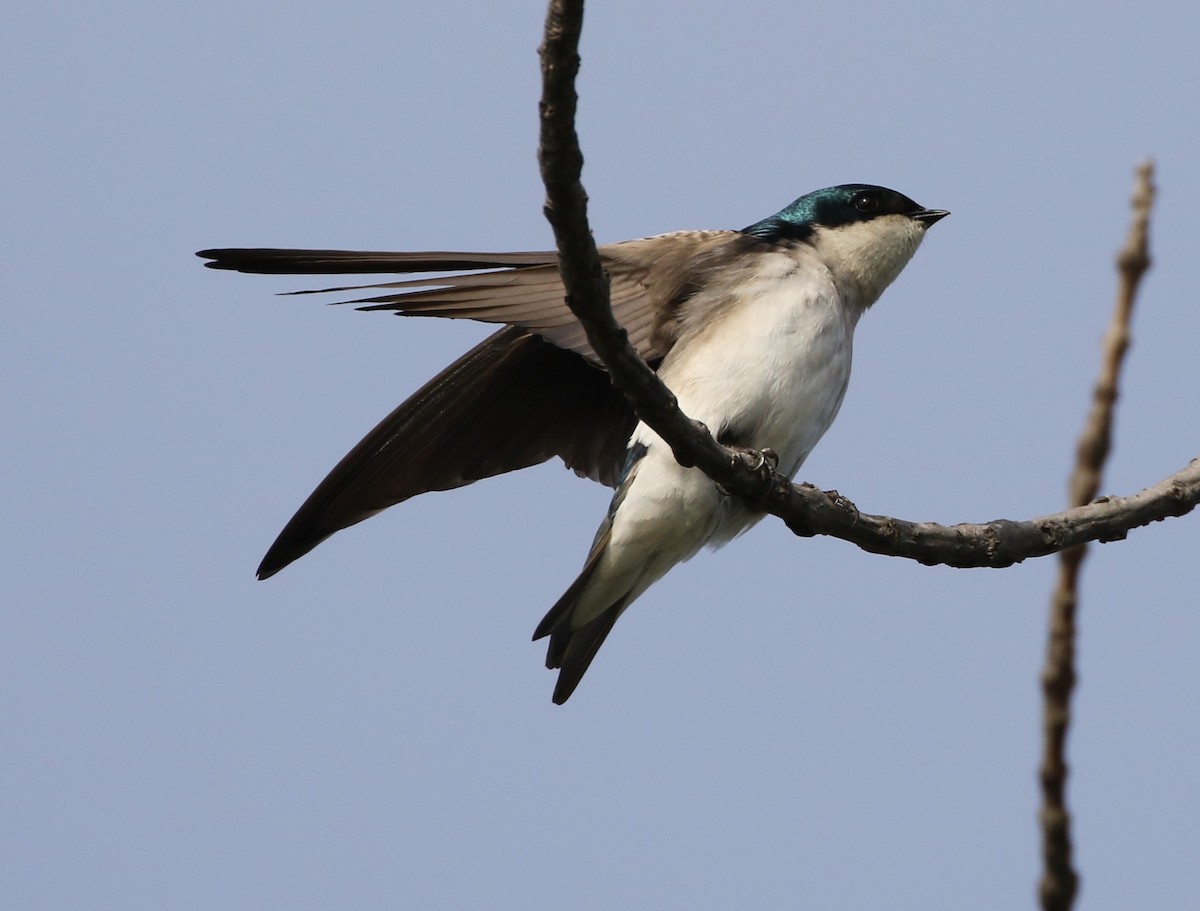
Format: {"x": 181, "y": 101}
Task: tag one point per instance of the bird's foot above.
{"x": 766, "y": 460}
{"x": 762, "y": 462}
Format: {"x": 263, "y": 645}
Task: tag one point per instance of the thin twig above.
{"x": 1060, "y": 882}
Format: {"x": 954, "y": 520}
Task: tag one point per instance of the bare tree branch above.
{"x": 1060, "y": 882}
{"x": 806, "y": 510}
{"x": 583, "y": 277}
{"x": 996, "y": 544}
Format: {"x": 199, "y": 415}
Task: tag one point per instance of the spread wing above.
{"x": 510, "y": 402}
{"x": 529, "y": 392}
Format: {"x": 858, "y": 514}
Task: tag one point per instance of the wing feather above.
{"x": 512, "y": 401}
{"x": 531, "y": 391}
{"x": 650, "y": 279}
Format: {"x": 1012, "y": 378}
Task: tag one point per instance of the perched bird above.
{"x": 751, "y": 330}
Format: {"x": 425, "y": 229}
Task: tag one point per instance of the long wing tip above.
{"x": 261, "y": 260}
{"x": 267, "y": 568}
{"x": 214, "y": 256}
{"x": 282, "y": 553}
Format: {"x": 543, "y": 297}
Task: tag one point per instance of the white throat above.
{"x": 865, "y": 257}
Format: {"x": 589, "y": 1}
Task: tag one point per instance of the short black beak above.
{"x": 929, "y": 216}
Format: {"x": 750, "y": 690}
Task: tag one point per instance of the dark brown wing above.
{"x": 513, "y": 401}
{"x": 527, "y": 393}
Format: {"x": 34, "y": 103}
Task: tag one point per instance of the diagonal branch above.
{"x": 583, "y": 276}
{"x": 806, "y": 510}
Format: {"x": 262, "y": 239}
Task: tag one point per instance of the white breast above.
{"x": 762, "y": 357}
{"x": 771, "y": 365}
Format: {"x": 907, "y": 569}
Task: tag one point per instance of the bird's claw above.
{"x": 842, "y": 503}
{"x": 764, "y": 462}
{"x": 766, "y": 459}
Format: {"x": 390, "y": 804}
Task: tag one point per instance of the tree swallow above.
{"x": 751, "y": 330}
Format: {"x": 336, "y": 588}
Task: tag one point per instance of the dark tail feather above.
{"x": 577, "y": 648}
{"x": 558, "y": 618}
{"x": 572, "y": 648}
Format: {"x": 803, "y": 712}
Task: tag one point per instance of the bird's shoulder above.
{"x": 684, "y": 277}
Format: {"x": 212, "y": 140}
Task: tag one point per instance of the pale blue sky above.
{"x": 785, "y": 723}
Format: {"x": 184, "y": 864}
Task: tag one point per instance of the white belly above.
{"x": 769, "y": 375}
{"x": 772, "y": 374}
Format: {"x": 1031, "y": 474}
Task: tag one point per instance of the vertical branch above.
{"x": 583, "y": 276}
{"x": 561, "y": 160}
{"x": 1060, "y": 882}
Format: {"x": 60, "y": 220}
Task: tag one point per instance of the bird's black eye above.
{"x": 866, "y": 202}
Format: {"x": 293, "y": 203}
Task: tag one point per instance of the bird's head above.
{"x": 864, "y": 234}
